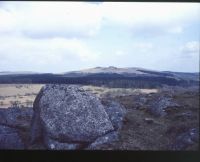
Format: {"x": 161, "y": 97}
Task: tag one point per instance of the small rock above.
{"x": 159, "y": 105}
{"x": 16, "y": 117}
{"x": 9, "y": 139}
{"x": 149, "y": 120}
{"x": 116, "y": 113}
{"x": 56, "y": 145}
{"x": 106, "y": 139}
{"x": 186, "y": 139}
{"x": 184, "y": 115}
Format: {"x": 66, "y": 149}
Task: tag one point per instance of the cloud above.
{"x": 119, "y": 53}
{"x": 79, "y": 19}
{"x": 143, "y": 46}
{"x": 190, "y": 49}
{"x": 54, "y": 36}
{"x": 176, "y": 30}
{"x": 39, "y": 54}
{"x": 134, "y": 13}
{"x": 151, "y": 19}
{"x": 50, "y": 19}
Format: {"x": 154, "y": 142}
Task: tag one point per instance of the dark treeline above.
{"x": 98, "y": 80}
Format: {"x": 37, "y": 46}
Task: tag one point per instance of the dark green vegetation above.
{"x": 101, "y": 79}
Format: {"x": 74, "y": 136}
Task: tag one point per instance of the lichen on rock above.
{"x": 69, "y": 114}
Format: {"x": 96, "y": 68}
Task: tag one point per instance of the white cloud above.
{"x": 147, "y": 18}
{"x": 143, "y": 46}
{"x": 52, "y": 35}
{"x": 132, "y": 13}
{"x": 50, "y": 19}
{"x": 75, "y": 19}
{"x": 33, "y": 53}
{"x": 190, "y": 49}
{"x": 119, "y": 53}
{"x": 176, "y": 30}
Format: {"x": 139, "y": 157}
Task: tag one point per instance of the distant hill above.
{"x": 107, "y": 76}
{"x": 131, "y": 72}
{"x": 17, "y": 72}
{"x": 186, "y": 76}
{"x": 109, "y": 70}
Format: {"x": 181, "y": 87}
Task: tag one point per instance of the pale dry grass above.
{"x": 24, "y": 94}
{"x": 114, "y": 92}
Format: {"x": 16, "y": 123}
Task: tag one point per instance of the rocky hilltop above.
{"x": 110, "y": 69}
{"x": 132, "y": 72}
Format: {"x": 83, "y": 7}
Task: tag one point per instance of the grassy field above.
{"x": 24, "y": 94}
{"x": 114, "y": 92}
{"x": 18, "y": 94}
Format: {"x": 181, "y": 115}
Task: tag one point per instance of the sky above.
{"x": 58, "y": 37}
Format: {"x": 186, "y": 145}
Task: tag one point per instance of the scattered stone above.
{"x": 116, "y": 113}
{"x": 9, "y": 139}
{"x": 143, "y": 100}
{"x": 108, "y": 138}
{"x": 149, "y": 120}
{"x": 16, "y": 117}
{"x": 139, "y": 101}
{"x": 186, "y": 139}
{"x": 68, "y": 113}
{"x": 158, "y": 106}
{"x": 56, "y": 145}
{"x": 183, "y": 116}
